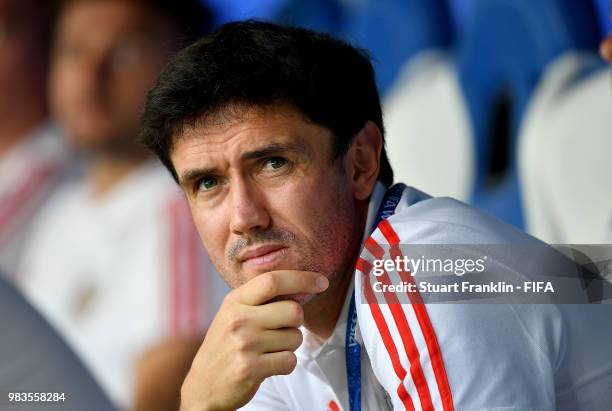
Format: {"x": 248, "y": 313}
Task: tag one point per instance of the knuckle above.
{"x": 245, "y": 368}
{"x": 235, "y": 324}
{"x": 295, "y": 339}
{"x": 299, "y": 338}
{"x": 243, "y": 344}
{"x": 270, "y": 284}
{"x": 289, "y": 363}
{"x": 297, "y": 313}
{"x": 229, "y": 298}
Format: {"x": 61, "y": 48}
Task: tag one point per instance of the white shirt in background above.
{"x": 117, "y": 274}
{"x": 29, "y": 171}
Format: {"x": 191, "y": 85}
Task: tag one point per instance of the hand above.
{"x": 249, "y": 340}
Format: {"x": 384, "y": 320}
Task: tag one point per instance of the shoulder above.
{"x": 444, "y": 219}
{"x": 496, "y": 347}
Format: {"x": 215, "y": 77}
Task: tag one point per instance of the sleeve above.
{"x": 267, "y": 398}
{"x": 453, "y": 355}
{"x": 48, "y": 255}
{"x": 33, "y": 358}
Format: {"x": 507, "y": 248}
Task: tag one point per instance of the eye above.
{"x": 127, "y": 54}
{"x": 68, "y": 51}
{"x": 207, "y": 183}
{"x": 274, "y": 163}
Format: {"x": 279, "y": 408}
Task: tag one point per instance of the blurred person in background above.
{"x": 31, "y": 150}
{"x": 115, "y": 262}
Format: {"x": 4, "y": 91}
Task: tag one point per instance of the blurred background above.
{"x": 504, "y": 104}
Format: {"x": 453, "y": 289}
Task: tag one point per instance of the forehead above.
{"x": 84, "y": 19}
{"x": 227, "y": 136}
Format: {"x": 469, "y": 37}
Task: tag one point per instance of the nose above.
{"x": 249, "y": 212}
{"x": 94, "y": 74}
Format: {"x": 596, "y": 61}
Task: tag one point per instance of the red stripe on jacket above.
{"x": 433, "y": 347}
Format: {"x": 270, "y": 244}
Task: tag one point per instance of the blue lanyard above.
{"x": 352, "y": 347}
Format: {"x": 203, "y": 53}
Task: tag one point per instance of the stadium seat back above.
{"x": 395, "y": 30}
{"x": 506, "y": 46}
{"x": 320, "y": 15}
{"x": 603, "y": 8}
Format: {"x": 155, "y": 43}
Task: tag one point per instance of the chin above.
{"x": 86, "y": 140}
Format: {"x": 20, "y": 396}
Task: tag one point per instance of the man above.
{"x": 275, "y": 135}
{"x": 115, "y": 262}
{"x": 31, "y": 151}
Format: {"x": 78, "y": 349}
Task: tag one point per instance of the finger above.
{"x": 272, "y": 284}
{"x": 286, "y": 339}
{"x": 276, "y": 363}
{"x": 279, "y": 314}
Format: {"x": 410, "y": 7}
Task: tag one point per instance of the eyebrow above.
{"x": 271, "y": 149}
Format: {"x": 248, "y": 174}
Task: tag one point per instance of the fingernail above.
{"x": 322, "y": 282}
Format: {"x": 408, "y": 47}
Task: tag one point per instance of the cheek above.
{"x": 127, "y": 97}
{"x": 67, "y": 87}
{"x": 328, "y": 219}
{"x": 337, "y": 221}
{"x": 59, "y": 89}
{"x": 330, "y": 198}
{"x": 214, "y": 232}
{"x": 211, "y": 232}
{"x": 130, "y": 85}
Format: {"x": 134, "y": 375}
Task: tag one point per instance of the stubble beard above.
{"x": 332, "y": 252}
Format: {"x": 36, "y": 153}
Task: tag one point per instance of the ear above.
{"x": 364, "y": 160}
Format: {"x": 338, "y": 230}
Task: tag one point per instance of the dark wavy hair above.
{"x": 258, "y": 64}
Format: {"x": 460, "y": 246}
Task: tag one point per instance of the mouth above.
{"x": 263, "y": 256}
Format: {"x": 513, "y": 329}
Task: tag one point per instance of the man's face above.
{"x": 107, "y": 54}
{"x": 266, "y": 196}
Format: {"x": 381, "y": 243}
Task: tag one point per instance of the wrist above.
{"x": 201, "y": 405}
{"x": 198, "y": 407}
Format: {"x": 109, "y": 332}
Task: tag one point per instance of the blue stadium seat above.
{"x": 506, "y": 46}
{"x": 603, "y": 8}
{"x": 231, "y": 10}
{"x": 395, "y": 30}
{"x": 320, "y": 15}
{"x": 459, "y": 13}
